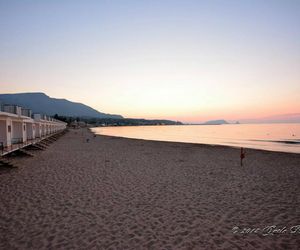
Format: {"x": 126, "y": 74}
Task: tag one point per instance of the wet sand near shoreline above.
{"x": 118, "y": 193}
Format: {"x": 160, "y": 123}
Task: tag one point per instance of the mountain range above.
{"x": 41, "y": 103}
{"x": 215, "y": 122}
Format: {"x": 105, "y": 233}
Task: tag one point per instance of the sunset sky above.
{"x": 183, "y": 60}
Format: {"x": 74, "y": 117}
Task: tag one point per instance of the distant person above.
{"x": 242, "y": 156}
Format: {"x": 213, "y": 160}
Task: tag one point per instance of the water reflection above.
{"x": 275, "y": 137}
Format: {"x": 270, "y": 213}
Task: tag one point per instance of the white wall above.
{"x": 43, "y": 129}
{"x": 3, "y": 132}
{"x": 24, "y": 131}
{"x": 18, "y": 131}
{"x": 6, "y": 131}
{"x": 30, "y": 130}
{"x": 9, "y": 131}
{"x": 38, "y": 130}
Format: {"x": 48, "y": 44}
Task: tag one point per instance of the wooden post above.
{"x": 242, "y": 156}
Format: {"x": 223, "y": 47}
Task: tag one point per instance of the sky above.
{"x": 182, "y": 60}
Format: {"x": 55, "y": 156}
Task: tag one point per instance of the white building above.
{"x": 17, "y": 127}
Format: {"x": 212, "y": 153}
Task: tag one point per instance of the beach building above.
{"x": 19, "y": 127}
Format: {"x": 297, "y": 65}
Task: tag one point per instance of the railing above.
{"x": 26, "y": 112}
{"x": 13, "y": 109}
{"x": 18, "y": 143}
{"x": 16, "y": 140}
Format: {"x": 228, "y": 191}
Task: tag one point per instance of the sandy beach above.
{"x": 117, "y": 193}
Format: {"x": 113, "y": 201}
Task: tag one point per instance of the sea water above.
{"x": 274, "y": 137}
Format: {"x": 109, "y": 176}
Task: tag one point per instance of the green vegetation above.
{"x": 115, "y": 122}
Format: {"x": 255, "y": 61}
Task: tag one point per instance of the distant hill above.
{"x": 41, "y": 103}
{"x": 215, "y": 122}
{"x": 282, "y": 118}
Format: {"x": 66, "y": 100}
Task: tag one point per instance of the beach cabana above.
{"x": 30, "y": 129}
{"x": 5, "y": 130}
{"x": 18, "y": 129}
{"x": 38, "y": 130}
{"x": 19, "y": 134}
{"x": 11, "y": 126}
{"x": 15, "y": 127}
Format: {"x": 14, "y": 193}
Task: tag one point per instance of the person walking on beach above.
{"x": 242, "y": 156}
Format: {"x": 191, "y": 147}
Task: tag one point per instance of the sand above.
{"x": 117, "y": 193}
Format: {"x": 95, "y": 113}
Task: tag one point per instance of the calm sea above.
{"x": 274, "y": 137}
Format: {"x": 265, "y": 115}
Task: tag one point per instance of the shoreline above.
{"x": 274, "y": 137}
{"x": 121, "y": 193}
{"x": 198, "y": 144}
